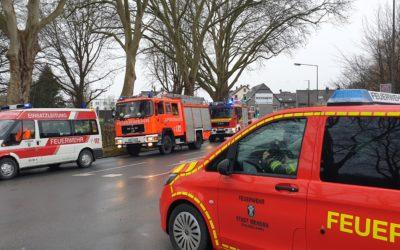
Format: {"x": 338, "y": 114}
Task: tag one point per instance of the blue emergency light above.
{"x": 362, "y": 97}
{"x": 17, "y": 106}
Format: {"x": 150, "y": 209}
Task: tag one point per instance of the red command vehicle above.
{"x": 227, "y": 119}
{"x": 47, "y": 137}
{"x": 306, "y": 179}
{"x": 162, "y": 122}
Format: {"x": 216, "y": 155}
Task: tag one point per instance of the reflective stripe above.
{"x": 275, "y": 164}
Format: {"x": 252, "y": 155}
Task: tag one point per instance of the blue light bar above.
{"x": 362, "y": 96}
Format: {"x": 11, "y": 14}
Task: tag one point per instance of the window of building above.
{"x": 50, "y": 129}
{"x": 271, "y": 150}
{"x": 362, "y": 151}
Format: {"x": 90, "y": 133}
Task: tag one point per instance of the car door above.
{"x": 353, "y": 200}
{"x": 262, "y": 205}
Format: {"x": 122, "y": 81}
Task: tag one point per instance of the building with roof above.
{"x": 260, "y": 99}
{"x": 305, "y": 98}
{"x": 240, "y": 92}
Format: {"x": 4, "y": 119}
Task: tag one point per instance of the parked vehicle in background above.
{"x": 227, "y": 119}
{"x": 47, "y": 137}
{"x": 161, "y": 122}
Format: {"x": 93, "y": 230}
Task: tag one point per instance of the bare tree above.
{"x": 248, "y": 31}
{"x": 372, "y": 67}
{"x": 74, "y": 49}
{"x": 126, "y": 27}
{"x": 185, "y": 25}
{"x": 4, "y": 64}
{"x": 23, "y": 35}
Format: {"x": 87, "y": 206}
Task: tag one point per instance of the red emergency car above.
{"x": 47, "y": 137}
{"x": 311, "y": 178}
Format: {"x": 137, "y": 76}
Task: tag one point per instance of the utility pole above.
{"x": 392, "y": 63}
{"x": 308, "y": 93}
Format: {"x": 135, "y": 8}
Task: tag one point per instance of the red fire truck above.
{"x": 227, "y": 119}
{"x": 161, "y": 122}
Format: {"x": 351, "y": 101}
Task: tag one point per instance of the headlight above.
{"x": 170, "y": 179}
{"x": 152, "y": 138}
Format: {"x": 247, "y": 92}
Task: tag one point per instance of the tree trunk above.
{"x": 222, "y": 93}
{"x": 189, "y": 86}
{"x": 21, "y": 68}
{"x": 130, "y": 75}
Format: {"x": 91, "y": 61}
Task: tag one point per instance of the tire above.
{"x": 85, "y": 159}
{"x": 167, "y": 145}
{"x": 198, "y": 143}
{"x": 212, "y": 138}
{"x": 187, "y": 227}
{"x": 8, "y": 169}
{"x": 133, "y": 149}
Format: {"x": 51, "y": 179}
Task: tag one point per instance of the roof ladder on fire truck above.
{"x": 187, "y": 99}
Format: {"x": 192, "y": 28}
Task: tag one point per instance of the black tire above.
{"x": 8, "y": 169}
{"x": 167, "y": 145}
{"x": 133, "y": 149}
{"x": 196, "y": 225}
{"x": 198, "y": 143}
{"x": 85, "y": 159}
{"x": 212, "y": 138}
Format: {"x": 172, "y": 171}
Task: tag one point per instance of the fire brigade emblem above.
{"x": 251, "y": 210}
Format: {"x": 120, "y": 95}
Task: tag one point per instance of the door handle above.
{"x": 38, "y": 143}
{"x": 287, "y": 187}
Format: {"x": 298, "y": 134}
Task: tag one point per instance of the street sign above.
{"x": 386, "y": 87}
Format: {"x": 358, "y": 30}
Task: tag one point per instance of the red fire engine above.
{"x": 163, "y": 122}
{"x": 227, "y": 119}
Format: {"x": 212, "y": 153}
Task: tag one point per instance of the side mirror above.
{"x": 113, "y": 114}
{"x": 224, "y": 167}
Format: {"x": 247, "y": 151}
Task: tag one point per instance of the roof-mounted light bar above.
{"x": 17, "y": 106}
{"x": 362, "y": 97}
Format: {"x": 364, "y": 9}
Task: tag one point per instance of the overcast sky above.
{"x": 323, "y": 48}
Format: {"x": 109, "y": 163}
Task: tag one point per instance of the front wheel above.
{"x": 85, "y": 159}
{"x": 8, "y": 169}
{"x": 187, "y": 229}
{"x": 166, "y": 145}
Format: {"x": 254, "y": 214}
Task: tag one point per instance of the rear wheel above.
{"x": 133, "y": 149}
{"x": 166, "y": 145}
{"x": 8, "y": 169}
{"x": 198, "y": 143}
{"x": 187, "y": 229}
{"x": 85, "y": 159}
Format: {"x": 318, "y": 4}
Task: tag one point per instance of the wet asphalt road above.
{"x": 113, "y": 205}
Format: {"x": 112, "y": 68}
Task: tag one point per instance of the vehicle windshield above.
{"x": 221, "y": 112}
{"x": 137, "y": 109}
{"x": 5, "y": 126}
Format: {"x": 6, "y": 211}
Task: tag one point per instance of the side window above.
{"x": 160, "y": 108}
{"x": 271, "y": 150}
{"x": 168, "y": 108}
{"x": 95, "y": 129}
{"x": 28, "y": 130}
{"x": 175, "y": 110}
{"x": 54, "y": 129}
{"x": 14, "y": 137}
{"x": 84, "y": 127}
{"x": 362, "y": 151}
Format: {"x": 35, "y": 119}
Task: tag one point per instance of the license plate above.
{"x": 133, "y": 140}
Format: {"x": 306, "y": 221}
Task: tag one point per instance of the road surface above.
{"x": 113, "y": 205}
